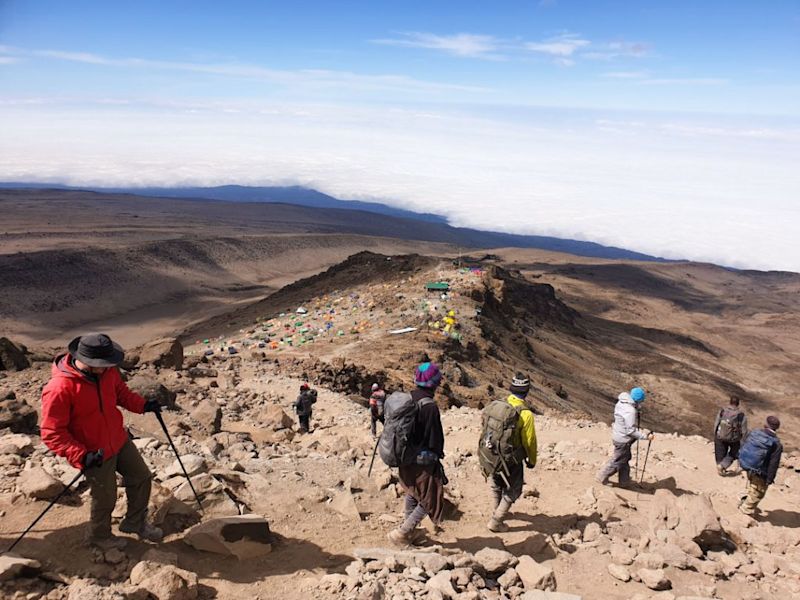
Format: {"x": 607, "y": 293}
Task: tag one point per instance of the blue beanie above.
{"x": 427, "y": 375}
{"x": 637, "y": 394}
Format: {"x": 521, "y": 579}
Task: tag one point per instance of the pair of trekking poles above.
{"x": 81, "y": 473}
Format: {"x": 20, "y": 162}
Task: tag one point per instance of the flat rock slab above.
{"x": 242, "y": 536}
{"x": 38, "y": 483}
{"x": 13, "y": 565}
{"x": 535, "y": 576}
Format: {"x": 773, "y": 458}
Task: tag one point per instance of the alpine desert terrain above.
{"x": 225, "y": 310}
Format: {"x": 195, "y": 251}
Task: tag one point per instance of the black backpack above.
{"x": 730, "y": 425}
{"x": 400, "y": 414}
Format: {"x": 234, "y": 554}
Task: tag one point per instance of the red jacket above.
{"x": 80, "y": 415}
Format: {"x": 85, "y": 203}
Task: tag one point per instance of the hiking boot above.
{"x": 720, "y": 469}
{"x": 147, "y": 532}
{"x": 602, "y": 480}
{"x": 496, "y": 526}
{"x": 109, "y": 543}
{"x": 398, "y": 538}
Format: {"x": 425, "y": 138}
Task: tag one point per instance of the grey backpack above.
{"x": 400, "y": 415}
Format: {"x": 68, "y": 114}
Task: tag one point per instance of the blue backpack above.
{"x": 755, "y": 451}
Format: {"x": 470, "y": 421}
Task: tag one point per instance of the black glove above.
{"x": 529, "y": 464}
{"x": 93, "y": 459}
{"x": 152, "y": 406}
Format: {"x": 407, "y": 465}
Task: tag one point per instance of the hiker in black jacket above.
{"x": 302, "y": 406}
{"x": 423, "y": 481}
{"x": 760, "y": 457}
{"x": 730, "y": 429}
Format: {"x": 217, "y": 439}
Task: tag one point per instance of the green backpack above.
{"x": 495, "y": 449}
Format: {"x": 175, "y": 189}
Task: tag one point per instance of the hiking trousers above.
{"x": 305, "y": 423}
{"x": 619, "y": 463}
{"x": 375, "y": 417}
{"x": 512, "y": 491}
{"x": 726, "y": 452}
{"x": 103, "y": 489}
{"x": 756, "y": 490}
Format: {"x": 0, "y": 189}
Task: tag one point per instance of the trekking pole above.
{"x": 646, "y": 454}
{"x": 638, "y": 427}
{"x": 374, "y": 452}
{"x": 44, "y": 512}
{"x": 178, "y": 456}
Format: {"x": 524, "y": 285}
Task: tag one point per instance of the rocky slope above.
{"x": 678, "y": 536}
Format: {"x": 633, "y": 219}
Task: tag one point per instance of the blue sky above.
{"x": 669, "y": 128}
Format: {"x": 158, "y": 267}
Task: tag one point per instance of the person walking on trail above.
{"x": 730, "y": 428}
{"x": 517, "y": 430}
{"x": 423, "y": 480}
{"x": 81, "y": 421}
{"x": 376, "y": 401}
{"x": 760, "y": 457}
{"x": 625, "y": 433}
{"x": 302, "y": 406}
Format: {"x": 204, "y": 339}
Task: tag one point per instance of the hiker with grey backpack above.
{"x": 730, "y": 428}
{"x": 507, "y": 445}
{"x": 413, "y": 441}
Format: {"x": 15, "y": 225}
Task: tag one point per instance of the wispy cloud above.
{"x": 617, "y": 49}
{"x": 561, "y": 46}
{"x": 685, "y": 81}
{"x": 459, "y": 44}
{"x": 8, "y": 60}
{"x": 300, "y": 77}
{"x": 625, "y": 74}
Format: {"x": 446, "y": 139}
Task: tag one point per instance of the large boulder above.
{"x": 692, "y": 517}
{"x": 495, "y": 561}
{"x": 38, "y": 483}
{"x": 169, "y": 513}
{"x": 164, "y": 582}
{"x": 150, "y": 389}
{"x": 535, "y": 576}
{"x": 16, "y": 443}
{"x": 166, "y": 353}
{"x": 209, "y": 415}
{"x": 242, "y": 536}
{"x": 15, "y": 414}
{"x": 12, "y": 356}
{"x": 276, "y": 418}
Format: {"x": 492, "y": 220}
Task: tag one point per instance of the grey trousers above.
{"x": 414, "y": 514}
{"x": 103, "y": 488}
{"x": 619, "y": 463}
{"x": 512, "y": 491}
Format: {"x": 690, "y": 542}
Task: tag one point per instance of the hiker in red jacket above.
{"x": 81, "y": 422}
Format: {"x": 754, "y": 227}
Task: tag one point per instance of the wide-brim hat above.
{"x": 96, "y": 350}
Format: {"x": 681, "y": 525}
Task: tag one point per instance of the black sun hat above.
{"x": 96, "y": 350}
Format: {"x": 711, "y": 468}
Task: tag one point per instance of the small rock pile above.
{"x": 436, "y": 573}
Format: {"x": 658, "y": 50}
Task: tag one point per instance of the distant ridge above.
{"x": 300, "y": 196}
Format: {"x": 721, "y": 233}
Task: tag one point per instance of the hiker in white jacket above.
{"x": 624, "y": 434}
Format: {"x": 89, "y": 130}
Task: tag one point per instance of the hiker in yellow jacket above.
{"x": 507, "y": 488}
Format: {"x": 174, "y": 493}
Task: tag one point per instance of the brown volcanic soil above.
{"x": 143, "y": 267}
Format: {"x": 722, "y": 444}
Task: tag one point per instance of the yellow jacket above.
{"x": 525, "y": 435}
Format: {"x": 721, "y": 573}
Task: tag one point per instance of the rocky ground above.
{"x": 317, "y": 525}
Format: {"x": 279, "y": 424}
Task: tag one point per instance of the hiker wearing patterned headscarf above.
{"x": 424, "y": 480}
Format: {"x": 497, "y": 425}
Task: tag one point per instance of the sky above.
{"x": 671, "y": 128}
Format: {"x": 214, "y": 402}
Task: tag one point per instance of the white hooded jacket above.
{"x": 624, "y": 429}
